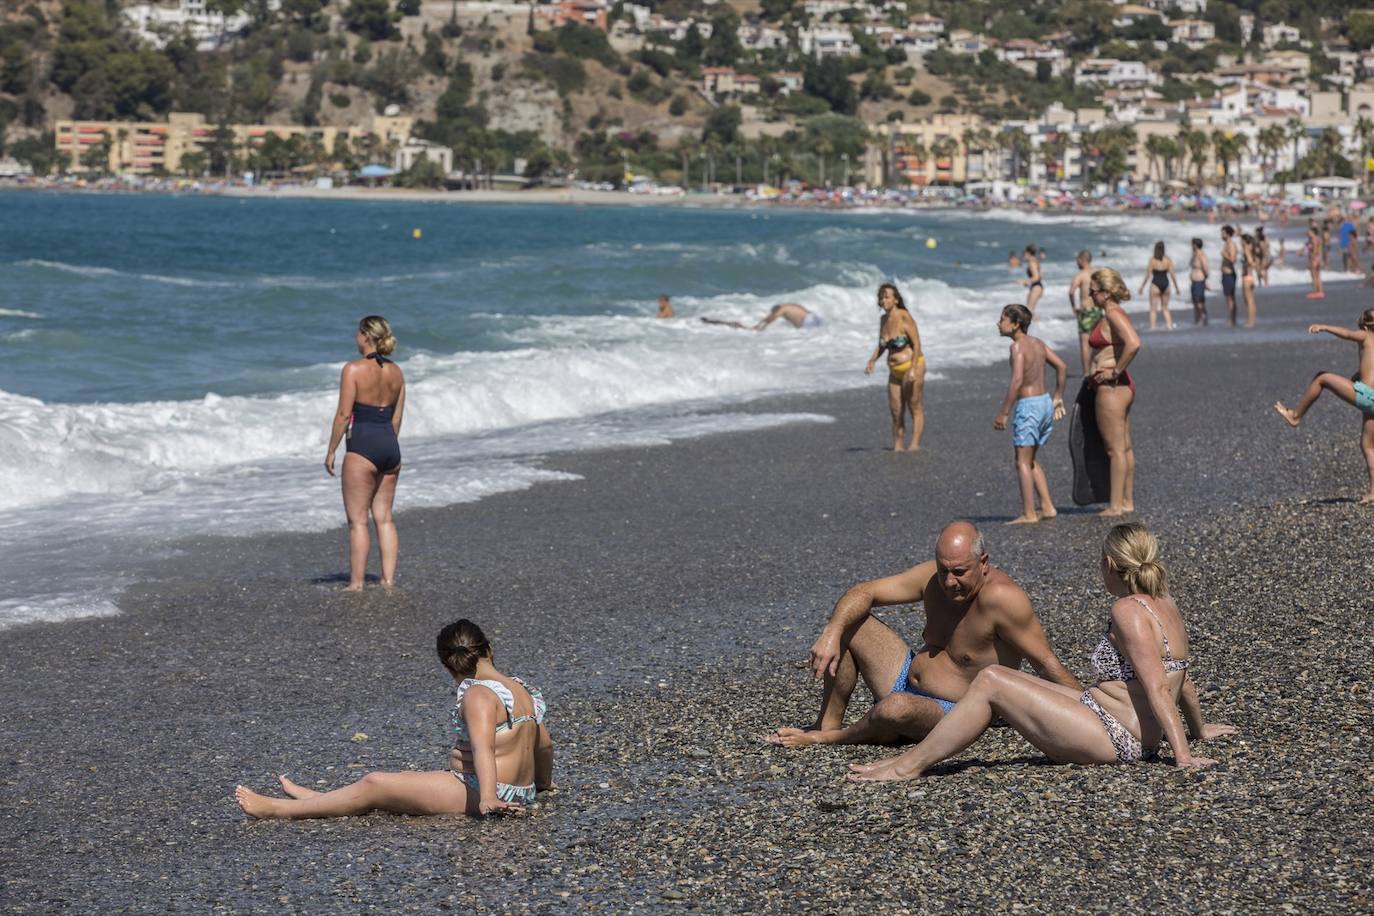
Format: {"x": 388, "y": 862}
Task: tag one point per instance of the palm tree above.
{"x": 1229, "y": 148}
{"x": 1196, "y": 143}
{"x": 1364, "y": 133}
{"x": 1154, "y": 149}
{"x": 944, "y": 148}
{"x": 1015, "y": 141}
{"x": 1171, "y": 151}
{"x": 1268, "y": 142}
{"x": 1296, "y": 132}
{"x": 1052, "y": 154}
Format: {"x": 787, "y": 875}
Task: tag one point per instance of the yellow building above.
{"x": 142, "y": 148}
{"x": 924, "y": 153}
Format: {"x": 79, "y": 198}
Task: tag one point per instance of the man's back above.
{"x": 1032, "y": 380}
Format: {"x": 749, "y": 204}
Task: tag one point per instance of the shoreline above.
{"x": 663, "y": 602}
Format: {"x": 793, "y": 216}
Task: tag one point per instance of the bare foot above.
{"x": 1109, "y": 512}
{"x": 889, "y": 770}
{"x": 794, "y": 737}
{"x": 1024, "y": 520}
{"x": 1288, "y": 415}
{"x": 1366, "y": 500}
{"x": 352, "y": 587}
{"x": 1127, "y": 508}
{"x": 293, "y": 790}
{"x": 255, "y": 805}
{"x": 1048, "y": 512}
{"x": 388, "y": 584}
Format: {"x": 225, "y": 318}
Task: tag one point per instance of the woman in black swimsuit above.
{"x": 1034, "y": 287}
{"x": 372, "y": 398}
{"x": 1158, "y": 274}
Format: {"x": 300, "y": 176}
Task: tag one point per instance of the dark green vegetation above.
{"x": 330, "y": 61}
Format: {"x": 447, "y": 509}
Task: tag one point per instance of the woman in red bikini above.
{"x": 1114, "y": 345}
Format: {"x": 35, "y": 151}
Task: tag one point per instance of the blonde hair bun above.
{"x": 378, "y": 330}
{"x": 1134, "y": 552}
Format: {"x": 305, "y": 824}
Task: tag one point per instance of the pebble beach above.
{"x": 664, "y": 601}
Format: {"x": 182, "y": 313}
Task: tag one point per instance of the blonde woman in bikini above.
{"x": 1114, "y": 344}
{"x": 899, "y": 338}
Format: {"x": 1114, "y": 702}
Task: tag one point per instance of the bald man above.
{"x": 976, "y": 616}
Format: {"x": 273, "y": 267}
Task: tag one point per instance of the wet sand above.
{"x": 665, "y": 603}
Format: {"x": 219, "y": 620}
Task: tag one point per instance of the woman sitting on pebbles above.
{"x": 1141, "y": 679}
{"x": 503, "y": 754}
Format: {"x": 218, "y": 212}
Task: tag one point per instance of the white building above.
{"x": 1195, "y": 33}
{"x": 1106, "y": 71}
{"x": 1279, "y": 33}
{"x": 761, "y": 38}
{"x": 962, "y": 41}
{"x": 927, "y": 24}
{"x": 823, "y": 41}
{"x": 156, "y": 24}
{"x": 1132, "y": 13}
{"x": 415, "y": 149}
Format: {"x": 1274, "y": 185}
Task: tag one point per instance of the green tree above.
{"x": 372, "y": 19}
{"x": 722, "y": 124}
{"x": 829, "y": 80}
{"x": 1359, "y": 28}
{"x": 723, "y": 48}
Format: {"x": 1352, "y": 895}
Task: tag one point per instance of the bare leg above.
{"x": 1250, "y": 304}
{"x": 1367, "y": 446}
{"x": 1033, "y": 297}
{"x": 1338, "y": 385}
{"x": 897, "y": 715}
{"x": 876, "y": 652}
{"x": 1113, "y": 403}
{"x": 1084, "y": 351}
{"x": 898, "y": 408}
{"x": 1164, "y": 307}
{"x": 916, "y": 402}
{"x": 1042, "y": 489}
{"x": 403, "y": 793}
{"x": 1025, "y": 477}
{"x": 1047, "y": 715}
{"x": 294, "y": 790}
{"x": 359, "y": 480}
{"x": 387, "y": 543}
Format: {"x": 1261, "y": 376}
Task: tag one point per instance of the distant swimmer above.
{"x": 1084, "y": 312}
{"x": 1159, "y": 272}
{"x": 799, "y": 316}
{"x": 502, "y": 754}
{"x": 1357, "y": 390}
{"x": 900, "y": 339}
{"x": 1031, "y": 409}
{"x": 372, "y": 400}
{"x": 1034, "y": 287}
{"x": 665, "y": 308}
{"x": 1013, "y": 261}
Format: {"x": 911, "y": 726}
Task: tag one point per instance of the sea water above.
{"x": 169, "y": 364}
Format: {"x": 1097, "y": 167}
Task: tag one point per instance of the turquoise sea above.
{"x": 168, "y": 364}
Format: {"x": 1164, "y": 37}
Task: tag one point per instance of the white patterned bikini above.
{"x": 520, "y": 795}
{"x": 1108, "y": 665}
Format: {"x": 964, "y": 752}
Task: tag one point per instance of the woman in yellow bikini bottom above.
{"x": 897, "y": 374}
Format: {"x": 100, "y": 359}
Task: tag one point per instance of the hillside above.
{"x": 501, "y": 81}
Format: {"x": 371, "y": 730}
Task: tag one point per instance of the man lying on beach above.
{"x": 1357, "y": 390}
{"x": 976, "y": 616}
{"x": 799, "y": 316}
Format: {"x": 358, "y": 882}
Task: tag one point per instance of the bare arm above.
{"x": 1137, "y": 641}
{"x": 1173, "y": 276}
{"x": 1018, "y": 363}
{"x": 1147, "y": 278}
{"x": 1061, "y": 377}
{"x": 1019, "y": 627}
{"x": 1123, "y": 331}
{"x": 480, "y": 710}
{"x": 768, "y": 319}
{"x": 1073, "y": 297}
{"x": 400, "y": 409}
{"x": 348, "y": 390}
{"x": 543, "y": 760}
{"x": 853, "y": 609}
{"x": 1337, "y": 331}
{"x": 876, "y": 353}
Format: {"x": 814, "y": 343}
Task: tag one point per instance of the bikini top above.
{"x": 460, "y": 725}
{"x": 900, "y": 342}
{"x": 1109, "y": 665}
{"x": 1097, "y": 340}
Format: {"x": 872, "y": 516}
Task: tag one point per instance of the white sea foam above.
{"x": 18, "y": 313}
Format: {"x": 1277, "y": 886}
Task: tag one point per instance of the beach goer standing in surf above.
{"x": 1114, "y": 344}
{"x": 900, "y": 339}
{"x": 1034, "y": 413}
{"x": 372, "y": 402}
{"x": 1141, "y": 681}
{"x": 1197, "y": 276}
{"x": 1084, "y": 312}
{"x": 1316, "y": 256}
{"x": 1229, "y": 254}
{"x": 665, "y": 307}
{"x": 1013, "y": 261}
{"x": 1159, "y": 272}
{"x": 1266, "y": 255}
{"x": 1034, "y": 287}
{"x": 1357, "y": 390}
{"x": 1249, "y": 270}
{"x": 1350, "y": 245}
{"x": 976, "y": 616}
{"x": 502, "y": 752}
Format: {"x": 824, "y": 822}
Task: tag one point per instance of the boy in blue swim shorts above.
{"x": 1032, "y": 411}
{"x": 1357, "y": 390}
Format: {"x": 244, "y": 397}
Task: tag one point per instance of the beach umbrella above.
{"x": 375, "y": 171}
{"x": 1357, "y": 205}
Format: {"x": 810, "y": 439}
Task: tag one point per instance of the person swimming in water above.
{"x": 899, "y": 338}
{"x": 372, "y": 401}
{"x": 665, "y": 307}
{"x": 799, "y": 316}
{"x": 501, "y": 757}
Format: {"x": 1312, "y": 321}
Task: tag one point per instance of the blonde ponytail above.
{"x": 1134, "y": 553}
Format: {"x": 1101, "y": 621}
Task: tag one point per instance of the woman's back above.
{"x": 376, "y": 382}
{"x": 518, "y": 720}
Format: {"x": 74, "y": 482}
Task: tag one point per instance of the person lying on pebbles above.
{"x": 976, "y": 616}
{"x": 1141, "y": 670}
{"x": 503, "y": 754}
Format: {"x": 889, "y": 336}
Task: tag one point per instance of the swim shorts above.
{"x": 903, "y": 685}
{"x": 811, "y": 321}
{"x": 1088, "y": 318}
{"x": 1199, "y": 290}
{"x": 1364, "y": 399}
{"x": 1228, "y": 283}
{"x": 1032, "y": 420}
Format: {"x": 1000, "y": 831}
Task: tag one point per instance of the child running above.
{"x": 1357, "y": 390}
{"x": 1032, "y": 418}
{"x": 502, "y": 753}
